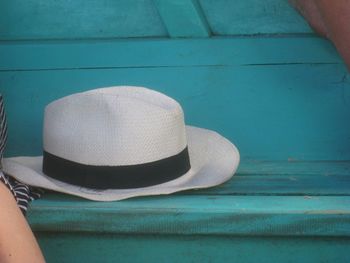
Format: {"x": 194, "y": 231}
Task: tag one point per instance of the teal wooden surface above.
{"x": 238, "y": 51}
{"x": 250, "y": 17}
{"x": 263, "y": 199}
{"x": 183, "y": 18}
{"x": 186, "y": 249}
{"x": 292, "y": 167}
{"x": 272, "y": 112}
{"x": 93, "y": 19}
{"x": 278, "y": 92}
{"x": 210, "y": 225}
{"x": 197, "y": 215}
{"x": 66, "y": 19}
{"x": 258, "y": 185}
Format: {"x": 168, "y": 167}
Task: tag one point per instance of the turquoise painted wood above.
{"x": 188, "y": 249}
{"x": 287, "y": 179}
{"x": 221, "y": 52}
{"x": 183, "y": 18}
{"x": 306, "y": 118}
{"x": 292, "y": 202}
{"x": 281, "y": 94}
{"x": 209, "y": 225}
{"x": 197, "y": 215}
{"x": 67, "y": 19}
{"x": 251, "y": 17}
{"x": 306, "y": 121}
{"x": 50, "y": 19}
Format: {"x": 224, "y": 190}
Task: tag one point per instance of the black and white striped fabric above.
{"x": 3, "y": 128}
{"x": 21, "y": 192}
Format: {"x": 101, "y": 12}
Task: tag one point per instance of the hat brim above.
{"x": 213, "y": 158}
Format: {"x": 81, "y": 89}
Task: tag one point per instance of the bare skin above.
{"x": 17, "y": 242}
{"x": 331, "y": 19}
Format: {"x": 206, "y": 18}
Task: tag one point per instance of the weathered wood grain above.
{"x": 271, "y": 112}
{"x": 66, "y": 19}
{"x": 279, "y": 185}
{"x": 321, "y": 169}
{"x": 283, "y": 99}
{"x": 241, "y": 51}
{"x": 183, "y": 18}
{"x": 66, "y": 247}
{"x": 197, "y": 215}
{"x": 253, "y": 17}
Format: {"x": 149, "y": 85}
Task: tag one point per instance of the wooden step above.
{"x": 274, "y": 206}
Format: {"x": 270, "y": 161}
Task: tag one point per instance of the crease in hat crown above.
{"x": 121, "y": 125}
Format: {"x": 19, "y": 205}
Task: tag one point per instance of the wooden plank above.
{"x": 292, "y": 167}
{"x": 183, "y": 18}
{"x": 285, "y": 178}
{"x": 66, "y": 19}
{"x": 165, "y": 53}
{"x": 66, "y": 247}
{"x": 293, "y": 185}
{"x": 252, "y": 17}
{"x": 284, "y": 182}
{"x": 196, "y": 215}
{"x": 271, "y": 112}
{"x": 279, "y": 185}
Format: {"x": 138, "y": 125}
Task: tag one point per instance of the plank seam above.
{"x": 183, "y": 66}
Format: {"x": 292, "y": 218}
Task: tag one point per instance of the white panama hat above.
{"x": 120, "y": 142}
